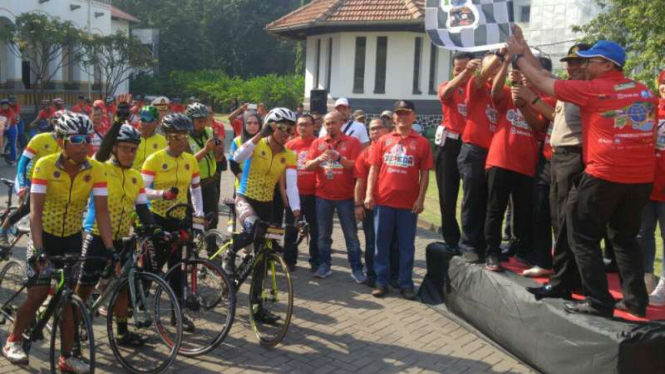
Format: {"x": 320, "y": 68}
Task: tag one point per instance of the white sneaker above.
{"x": 650, "y": 282}
{"x": 73, "y": 365}
{"x": 657, "y": 297}
{"x": 537, "y": 272}
{"x": 14, "y": 352}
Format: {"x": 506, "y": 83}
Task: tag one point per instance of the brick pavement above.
{"x": 337, "y": 327}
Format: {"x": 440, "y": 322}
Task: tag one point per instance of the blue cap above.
{"x": 608, "y": 50}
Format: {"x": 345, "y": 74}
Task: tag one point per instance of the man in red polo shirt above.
{"x": 80, "y": 103}
{"x": 333, "y": 157}
{"x": 448, "y": 140}
{"x": 480, "y": 126}
{"x": 401, "y": 162}
{"x": 307, "y": 190}
{"x": 618, "y": 124}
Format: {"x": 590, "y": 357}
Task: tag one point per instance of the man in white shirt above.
{"x": 350, "y": 127}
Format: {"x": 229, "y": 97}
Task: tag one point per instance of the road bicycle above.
{"x": 21, "y": 228}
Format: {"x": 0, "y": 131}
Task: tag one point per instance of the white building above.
{"x": 97, "y": 17}
{"x": 375, "y": 52}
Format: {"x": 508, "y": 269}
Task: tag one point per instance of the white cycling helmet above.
{"x": 128, "y": 134}
{"x": 73, "y": 124}
{"x": 278, "y": 115}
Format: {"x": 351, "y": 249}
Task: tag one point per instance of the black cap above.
{"x": 404, "y": 105}
{"x": 4, "y": 101}
{"x": 572, "y": 52}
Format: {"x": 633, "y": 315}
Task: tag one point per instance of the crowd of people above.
{"x": 577, "y": 159}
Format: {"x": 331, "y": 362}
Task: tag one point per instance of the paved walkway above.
{"x": 337, "y": 327}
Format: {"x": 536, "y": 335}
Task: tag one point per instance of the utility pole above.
{"x": 90, "y": 79}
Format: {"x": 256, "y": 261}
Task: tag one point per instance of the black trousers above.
{"x": 448, "y": 182}
{"x": 370, "y": 249}
{"x": 594, "y": 205}
{"x": 210, "y": 195}
{"x": 308, "y": 210}
{"x": 501, "y": 184}
{"x": 471, "y": 165}
{"x": 566, "y": 165}
{"x": 542, "y": 222}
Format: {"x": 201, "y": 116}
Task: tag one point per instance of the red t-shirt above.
{"x": 618, "y": 123}
{"x": 306, "y": 178}
{"x": 77, "y": 109}
{"x": 17, "y": 112}
{"x": 46, "y": 113}
{"x": 218, "y": 129}
{"x": 113, "y": 108}
{"x": 400, "y": 160}
{"x": 236, "y": 124}
{"x": 482, "y": 116}
{"x": 658, "y": 193}
{"x": 454, "y": 109}
{"x": 9, "y": 114}
{"x": 340, "y": 187}
{"x": 514, "y": 145}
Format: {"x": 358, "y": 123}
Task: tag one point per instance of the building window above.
{"x": 433, "y": 66}
{"x": 359, "y": 70}
{"x": 381, "y": 61}
{"x": 416, "y": 66}
{"x": 318, "y": 64}
{"x": 329, "y": 66}
{"x": 525, "y": 13}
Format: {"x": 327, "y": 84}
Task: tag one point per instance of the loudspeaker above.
{"x": 318, "y": 101}
{"x": 25, "y": 74}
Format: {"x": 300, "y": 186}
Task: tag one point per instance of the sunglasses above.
{"x": 147, "y": 119}
{"x": 179, "y": 137}
{"x": 78, "y": 139}
{"x": 287, "y": 128}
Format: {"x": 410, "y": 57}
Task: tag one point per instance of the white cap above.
{"x": 342, "y": 101}
{"x": 162, "y": 100}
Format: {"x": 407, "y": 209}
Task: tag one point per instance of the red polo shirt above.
{"x": 454, "y": 109}
{"x": 658, "y": 193}
{"x": 400, "y": 160}
{"x": 17, "y": 112}
{"x": 46, "y": 113}
{"x": 306, "y": 178}
{"x": 514, "y": 145}
{"x": 77, "y": 109}
{"x": 340, "y": 187}
{"x": 361, "y": 170}
{"x": 618, "y": 123}
{"x": 9, "y": 114}
{"x": 482, "y": 116}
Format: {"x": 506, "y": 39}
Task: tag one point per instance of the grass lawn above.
{"x": 432, "y": 215}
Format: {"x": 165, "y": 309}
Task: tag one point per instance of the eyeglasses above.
{"x": 178, "y": 137}
{"x": 78, "y": 139}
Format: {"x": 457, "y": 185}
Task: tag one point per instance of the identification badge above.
{"x": 441, "y": 136}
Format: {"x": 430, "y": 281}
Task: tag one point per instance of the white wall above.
{"x": 399, "y": 66}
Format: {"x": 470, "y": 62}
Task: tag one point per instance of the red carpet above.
{"x": 653, "y": 313}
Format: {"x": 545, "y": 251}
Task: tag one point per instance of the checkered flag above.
{"x": 469, "y": 25}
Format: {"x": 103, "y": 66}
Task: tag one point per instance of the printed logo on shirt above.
{"x": 492, "y": 114}
{"x": 56, "y": 174}
{"x": 646, "y": 94}
{"x": 517, "y": 119}
{"x": 398, "y": 157}
{"x": 302, "y": 158}
{"x": 461, "y": 109}
{"x": 640, "y": 116}
{"x": 87, "y": 178}
{"x": 624, "y": 86}
{"x": 660, "y": 139}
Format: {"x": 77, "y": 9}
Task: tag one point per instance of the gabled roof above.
{"x": 120, "y": 14}
{"x": 322, "y": 13}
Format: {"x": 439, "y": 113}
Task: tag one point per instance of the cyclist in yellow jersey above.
{"x": 39, "y": 146}
{"x": 167, "y": 175}
{"x": 203, "y": 144}
{"x": 61, "y": 186}
{"x": 265, "y": 161}
{"x": 125, "y": 195}
{"x": 151, "y": 141}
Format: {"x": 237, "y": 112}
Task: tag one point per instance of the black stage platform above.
{"x": 541, "y": 333}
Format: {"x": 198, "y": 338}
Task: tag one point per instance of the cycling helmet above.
{"x": 12, "y": 99}
{"x": 58, "y": 100}
{"x": 73, "y": 124}
{"x": 177, "y": 122}
{"x": 128, "y": 134}
{"x": 280, "y": 115}
{"x": 149, "y": 113}
{"x": 196, "y": 110}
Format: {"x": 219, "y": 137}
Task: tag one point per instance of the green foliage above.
{"x": 218, "y": 89}
{"x": 637, "y": 25}
{"x": 227, "y": 35}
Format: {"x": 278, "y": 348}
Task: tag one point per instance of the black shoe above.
{"x": 291, "y": 268}
{"x": 265, "y": 317}
{"x": 4, "y": 241}
{"x": 639, "y": 313}
{"x": 585, "y": 307}
{"x": 131, "y": 339}
{"x": 394, "y": 283}
{"x": 229, "y": 264}
{"x": 408, "y": 294}
{"x": 380, "y": 291}
{"x": 492, "y": 263}
{"x": 371, "y": 281}
{"x": 549, "y": 291}
{"x": 313, "y": 267}
{"x": 611, "y": 267}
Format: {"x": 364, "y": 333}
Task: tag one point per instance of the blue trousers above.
{"x": 325, "y": 209}
{"x": 387, "y": 221}
{"x": 11, "y": 137}
{"x": 653, "y": 214}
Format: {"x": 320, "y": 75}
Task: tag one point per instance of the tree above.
{"x": 637, "y": 25}
{"x": 49, "y": 44}
{"x": 117, "y": 57}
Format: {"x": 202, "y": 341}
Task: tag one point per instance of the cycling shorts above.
{"x": 53, "y": 246}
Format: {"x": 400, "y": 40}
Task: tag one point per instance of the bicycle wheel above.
{"x": 12, "y": 279}
{"x": 156, "y": 304}
{"x": 270, "y": 300}
{"x": 209, "y": 305}
{"x": 83, "y": 346}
